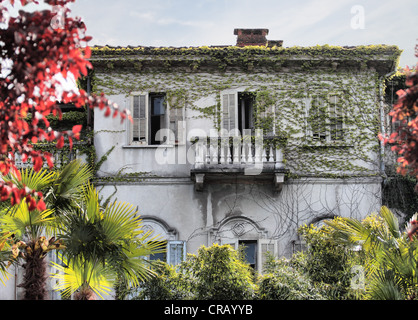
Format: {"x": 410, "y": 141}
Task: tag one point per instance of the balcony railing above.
{"x": 247, "y": 151}
{"x": 256, "y": 156}
{"x": 60, "y": 156}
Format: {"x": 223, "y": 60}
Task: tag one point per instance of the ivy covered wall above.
{"x": 286, "y": 82}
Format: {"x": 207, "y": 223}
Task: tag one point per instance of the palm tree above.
{"x": 391, "y": 255}
{"x": 102, "y": 244}
{"x": 32, "y": 232}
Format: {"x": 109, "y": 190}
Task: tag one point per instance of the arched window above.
{"x": 242, "y": 231}
{"x": 175, "y": 249}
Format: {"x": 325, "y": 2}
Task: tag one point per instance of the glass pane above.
{"x": 250, "y": 253}
{"x": 157, "y": 106}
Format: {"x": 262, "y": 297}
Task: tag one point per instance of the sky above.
{"x": 180, "y": 23}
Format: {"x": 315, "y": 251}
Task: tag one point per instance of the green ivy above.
{"x": 283, "y": 80}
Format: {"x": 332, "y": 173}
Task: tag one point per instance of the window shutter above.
{"x": 229, "y": 111}
{"x": 317, "y": 119}
{"x": 176, "y": 252}
{"x": 336, "y": 118}
{"x": 264, "y": 246}
{"x": 176, "y": 122}
{"x": 139, "y": 116}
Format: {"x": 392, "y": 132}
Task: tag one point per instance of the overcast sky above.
{"x": 212, "y": 22}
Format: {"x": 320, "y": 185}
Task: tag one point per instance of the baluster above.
{"x": 271, "y": 155}
{"x": 279, "y": 158}
{"x": 222, "y": 156}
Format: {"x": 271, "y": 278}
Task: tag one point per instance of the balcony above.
{"x": 248, "y": 159}
{"x": 60, "y": 156}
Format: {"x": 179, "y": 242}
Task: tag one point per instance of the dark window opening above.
{"x": 157, "y": 116}
{"x": 246, "y": 103}
{"x": 162, "y": 256}
{"x": 249, "y": 248}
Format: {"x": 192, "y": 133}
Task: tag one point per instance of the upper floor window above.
{"x": 245, "y": 110}
{"x": 326, "y": 119}
{"x": 155, "y": 121}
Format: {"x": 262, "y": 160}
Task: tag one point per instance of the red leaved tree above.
{"x": 35, "y": 48}
{"x": 405, "y": 140}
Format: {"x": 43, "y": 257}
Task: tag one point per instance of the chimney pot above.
{"x": 251, "y": 37}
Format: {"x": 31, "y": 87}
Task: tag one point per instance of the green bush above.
{"x": 218, "y": 273}
{"x": 283, "y": 281}
{"x": 214, "y": 273}
{"x": 166, "y": 285}
{"x": 327, "y": 263}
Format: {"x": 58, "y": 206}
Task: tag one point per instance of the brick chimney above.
{"x": 251, "y": 37}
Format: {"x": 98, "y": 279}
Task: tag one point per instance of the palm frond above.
{"x": 135, "y": 267}
{"x": 90, "y": 203}
{"x": 120, "y": 222}
{"x": 384, "y": 285}
{"x": 69, "y": 181}
{"x": 19, "y": 220}
{"x": 78, "y": 273}
{"x": 38, "y": 181}
{"x": 391, "y": 221}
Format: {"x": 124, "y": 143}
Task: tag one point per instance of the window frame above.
{"x": 178, "y": 131}
{"x": 333, "y": 115}
{"x": 168, "y": 258}
{"x": 233, "y": 128}
{"x": 260, "y": 253}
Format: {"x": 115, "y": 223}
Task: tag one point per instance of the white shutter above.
{"x": 139, "y": 116}
{"x": 336, "y": 117}
{"x": 229, "y": 112}
{"x": 264, "y": 246}
{"x": 317, "y": 116}
{"x": 176, "y": 252}
{"x": 175, "y": 124}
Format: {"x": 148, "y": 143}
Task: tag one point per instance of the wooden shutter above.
{"x": 336, "y": 118}
{"x": 176, "y": 123}
{"x": 139, "y": 117}
{"x": 317, "y": 119}
{"x": 176, "y": 252}
{"x": 229, "y": 111}
{"x": 264, "y": 246}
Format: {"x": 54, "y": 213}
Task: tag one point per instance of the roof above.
{"x": 382, "y": 58}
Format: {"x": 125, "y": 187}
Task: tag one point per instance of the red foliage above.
{"x": 405, "y": 141}
{"x": 36, "y": 51}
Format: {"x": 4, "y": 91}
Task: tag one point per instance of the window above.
{"x": 246, "y": 103}
{"x": 238, "y": 111}
{"x": 174, "y": 254}
{"x": 325, "y": 117}
{"x": 154, "y": 121}
{"x": 250, "y": 251}
{"x": 335, "y": 118}
{"x": 255, "y": 251}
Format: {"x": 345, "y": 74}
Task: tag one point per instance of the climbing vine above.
{"x": 285, "y": 82}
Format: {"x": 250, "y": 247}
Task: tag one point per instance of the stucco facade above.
{"x": 310, "y": 117}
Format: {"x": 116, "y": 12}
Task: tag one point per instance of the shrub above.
{"x": 285, "y": 282}
{"x": 218, "y": 273}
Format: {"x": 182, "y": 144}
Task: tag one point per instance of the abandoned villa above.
{"x": 242, "y": 144}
